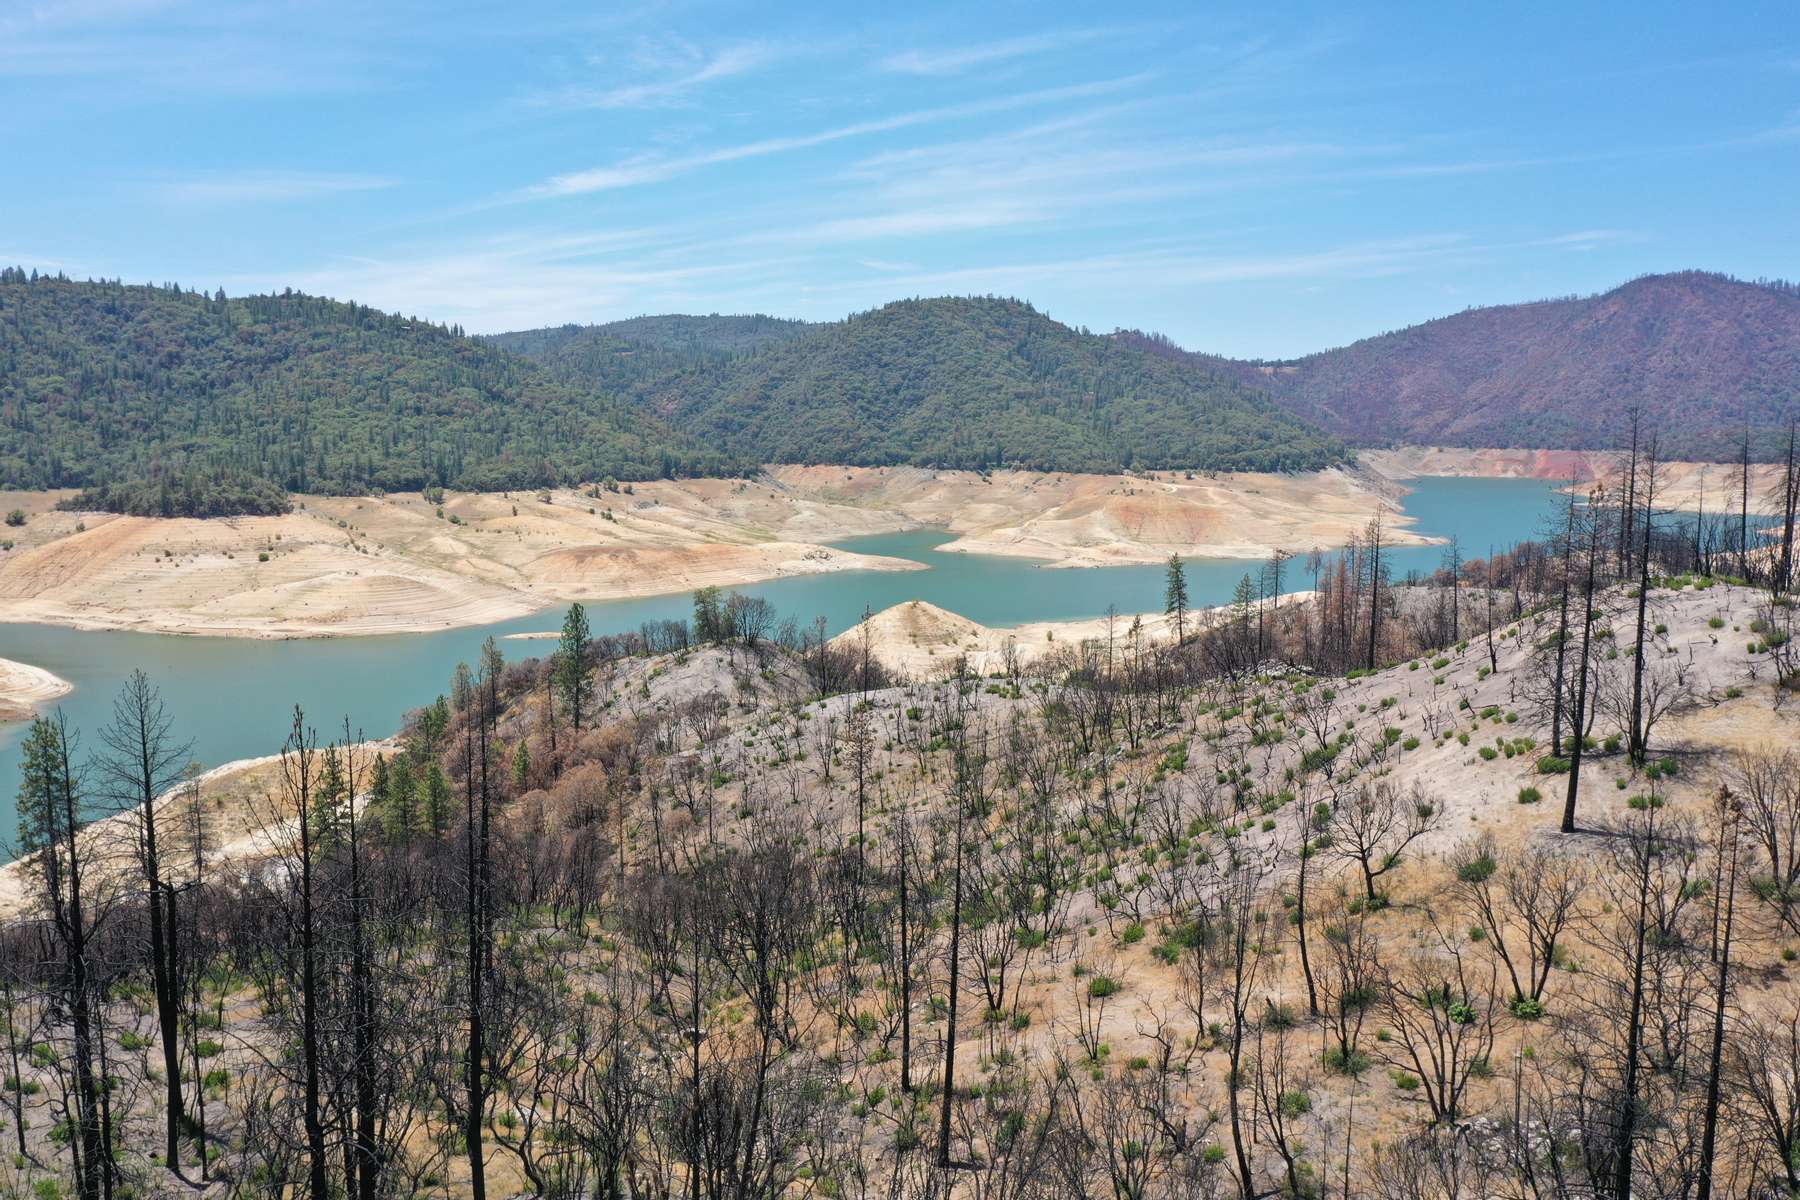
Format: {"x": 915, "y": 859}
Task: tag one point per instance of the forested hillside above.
{"x": 102, "y": 383}
{"x": 713, "y": 334}
{"x": 1703, "y": 355}
{"x": 958, "y": 382}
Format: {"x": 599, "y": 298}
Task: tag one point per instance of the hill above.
{"x": 103, "y": 382}
{"x": 1701, "y": 354}
{"x": 649, "y": 363}
{"x": 953, "y": 382}
{"x": 713, "y": 334}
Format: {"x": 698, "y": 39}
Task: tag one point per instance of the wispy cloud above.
{"x": 949, "y": 60}
{"x": 1589, "y": 239}
{"x": 518, "y": 281}
{"x": 180, "y": 46}
{"x": 260, "y": 186}
{"x": 46, "y": 16}
{"x": 1182, "y": 266}
{"x": 673, "y": 87}
{"x": 1776, "y": 135}
{"x": 647, "y": 169}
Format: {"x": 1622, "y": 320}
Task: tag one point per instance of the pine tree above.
{"x": 437, "y": 801}
{"x": 327, "y": 812}
{"x": 1175, "y": 597}
{"x": 571, "y": 663}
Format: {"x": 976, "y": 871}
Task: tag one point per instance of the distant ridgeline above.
{"x": 157, "y": 399}
{"x": 1707, "y": 360}
{"x": 143, "y": 392}
{"x": 969, "y": 382}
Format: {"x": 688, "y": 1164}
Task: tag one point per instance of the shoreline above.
{"x": 25, "y": 688}
{"x": 1684, "y": 486}
{"x": 300, "y": 632}
{"x": 400, "y": 564}
{"x": 230, "y": 794}
{"x": 921, "y": 639}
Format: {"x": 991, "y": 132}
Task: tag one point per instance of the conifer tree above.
{"x": 1175, "y": 597}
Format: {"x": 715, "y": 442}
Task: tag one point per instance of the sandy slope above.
{"x": 1684, "y": 485}
{"x": 24, "y": 687}
{"x": 396, "y": 564}
{"x": 393, "y": 565}
{"x": 1102, "y": 520}
{"x": 242, "y": 822}
{"x": 922, "y": 641}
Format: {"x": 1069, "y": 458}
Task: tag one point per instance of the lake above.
{"x": 235, "y": 696}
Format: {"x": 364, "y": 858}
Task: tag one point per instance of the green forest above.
{"x": 195, "y": 491}
{"x": 965, "y": 382}
{"x": 106, "y": 384}
{"x": 709, "y": 335}
{"x": 164, "y": 400}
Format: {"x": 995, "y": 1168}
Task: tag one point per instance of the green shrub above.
{"x": 1295, "y": 1104}
{"x": 1355, "y": 1063}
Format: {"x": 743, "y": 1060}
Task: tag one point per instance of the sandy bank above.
{"x": 398, "y": 564}
{"x": 921, "y": 640}
{"x": 24, "y": 687}
{"x": 1689, "y": 486}
{"x": 1073, "y": 520}
{"x": 240, "y": 821}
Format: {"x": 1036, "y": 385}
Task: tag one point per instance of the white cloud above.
{"x": 641, "y": 170}
{"x": 156, "y": 47}
{"x": 951, "y": 59}
{"x": 17, "y": 20}
{"x": 671, "y": 89}
{"x": 1588, "y": 239}
{"x": 260, "y": 186}
{"x": 1178, "y": 266}
{"x": 519, "y": 281}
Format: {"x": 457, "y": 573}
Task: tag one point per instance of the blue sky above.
{"x": 1254, "y": 180}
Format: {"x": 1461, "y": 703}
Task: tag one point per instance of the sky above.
{"x": 1256, "y": 180}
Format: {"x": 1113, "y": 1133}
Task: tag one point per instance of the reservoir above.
{"x": 234, "y": 697}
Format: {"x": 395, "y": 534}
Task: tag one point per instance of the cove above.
{"x": 235, "y": 696}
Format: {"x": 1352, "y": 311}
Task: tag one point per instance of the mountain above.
{"x": 148, "y": 393}
{"x": 1700, "y": 354}
{"x": 953, "y": 382}
{"x": 650, "y": 363}
{"x": 713, "y": 334}
{"x": 103, "y": 382}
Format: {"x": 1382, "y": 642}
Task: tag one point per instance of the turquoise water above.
{"x": 235, "y": 696}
